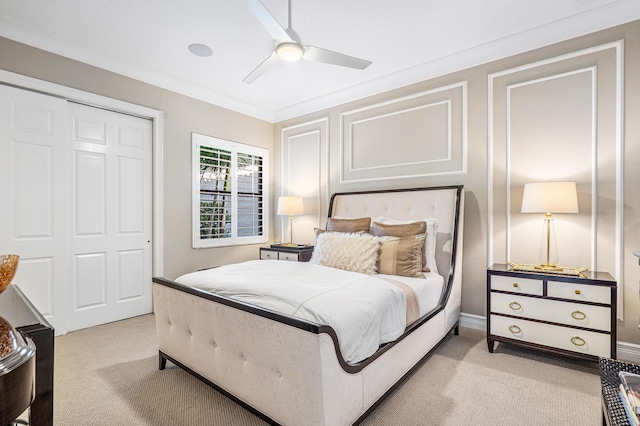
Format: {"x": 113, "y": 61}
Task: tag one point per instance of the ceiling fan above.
{"x": 289, "y": 48}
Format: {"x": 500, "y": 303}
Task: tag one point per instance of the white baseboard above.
{"x": 475, "y": 322}
{"x": 629, "y": 352}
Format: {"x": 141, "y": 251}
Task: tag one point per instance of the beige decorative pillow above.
{"x": 430, "y": 243}
{"x": 403, "y": 230}
{"x": 400, "y": 230}
{"x": 356, "y": 252}
{"x": 349, "y": 225}
{"x": 401, "y": 256}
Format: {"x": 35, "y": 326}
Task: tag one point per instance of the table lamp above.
{"x": 548, "y": 198}
{"x": 290, "y": 206}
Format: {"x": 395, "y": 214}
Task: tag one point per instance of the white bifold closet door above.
{"x": 75, "y": 204}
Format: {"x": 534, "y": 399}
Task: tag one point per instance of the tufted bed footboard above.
{"x": 290, "y": 371}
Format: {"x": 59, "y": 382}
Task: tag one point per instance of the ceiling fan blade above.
{"x": 317, "y": 54}
{"x": 265, "y": 66}
{"x": 267, "y": 20}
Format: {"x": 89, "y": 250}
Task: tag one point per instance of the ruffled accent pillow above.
{"x": 356, "y": 252}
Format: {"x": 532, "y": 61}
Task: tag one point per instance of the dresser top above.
{"x": 586, "y": 276}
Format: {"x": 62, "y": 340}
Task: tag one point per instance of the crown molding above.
{"x": 596, "y": 19}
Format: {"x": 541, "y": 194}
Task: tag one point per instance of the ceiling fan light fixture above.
{"x": 289, "y": 52}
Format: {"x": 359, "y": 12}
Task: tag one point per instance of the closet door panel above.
{"x": 33, "y": 197}
{"x": 111, "y": 201}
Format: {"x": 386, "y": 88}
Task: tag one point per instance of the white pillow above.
{"x": 430, "y": 242}
{"x": 356, "y": 252}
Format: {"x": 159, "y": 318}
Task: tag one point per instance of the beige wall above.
{"x": 182, "y": 116}
{"x": 550, "y": 115}
{"x": 460, "y": 154}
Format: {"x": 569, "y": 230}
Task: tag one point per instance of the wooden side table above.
{"x": 568, "y": 315}
{"x": 18, "y": 310}
{"x": 294, "y": 254}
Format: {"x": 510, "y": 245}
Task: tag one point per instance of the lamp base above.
{"x": 287, "y": 245}
{"x": 548, "y": 268}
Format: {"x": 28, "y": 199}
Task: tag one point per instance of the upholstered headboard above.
{"x": 442, "y": 203}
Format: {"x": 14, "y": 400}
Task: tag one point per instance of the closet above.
{"x": 76, "y": 205}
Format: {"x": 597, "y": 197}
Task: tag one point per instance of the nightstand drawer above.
{"x": 268, "y": 254}
{"x": 516, "y": 285}
{"x": 582, "y": 292}
{"x": 293, "y": 257}
{"x": 576, "y": 314}
{"x": 584, "y": 342}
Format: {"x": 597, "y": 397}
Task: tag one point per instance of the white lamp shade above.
{"x": 290, "y": 206}
{"x": 550, "y": 197}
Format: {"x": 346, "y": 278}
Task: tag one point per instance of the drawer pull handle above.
{"x": 515, "y": 306}
{"x": 515, "y": 285}
{"x": 578, "y": 341}
{"x": 579, "y": 315}
{"x": 577, "y": 291}
{"x": 515, "y": 329}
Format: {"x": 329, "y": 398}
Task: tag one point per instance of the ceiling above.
{"x": 407, "y": 40}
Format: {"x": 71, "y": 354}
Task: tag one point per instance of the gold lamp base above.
{"x": 288, "y": 245}
{"x": 548, "y": 268}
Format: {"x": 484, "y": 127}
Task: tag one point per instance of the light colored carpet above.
{"x": 108, "y": 375}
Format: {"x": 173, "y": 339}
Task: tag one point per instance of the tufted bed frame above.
{"x": 290, "y": 371}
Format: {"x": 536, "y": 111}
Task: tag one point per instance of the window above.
{"x": 230, "y": 193}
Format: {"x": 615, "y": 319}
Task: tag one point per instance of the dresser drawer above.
{"x": 584, "y": 342}
{"x": 576, "y": 314}
{"x": 582, "y": 292}
{"x": 516, "y": 285}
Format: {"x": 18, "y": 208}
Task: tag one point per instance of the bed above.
{"x": 291, "y": 369}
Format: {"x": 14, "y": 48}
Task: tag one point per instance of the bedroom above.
{"x": 484, "y": 238}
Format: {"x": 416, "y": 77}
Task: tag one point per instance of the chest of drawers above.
{"x": 568, "y": 315}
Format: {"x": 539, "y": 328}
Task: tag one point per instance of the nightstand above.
{"x": 295, "y": 254}
{"x": 568, "y": 315}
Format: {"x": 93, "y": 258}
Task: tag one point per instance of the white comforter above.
{"x": 364, "y": 310}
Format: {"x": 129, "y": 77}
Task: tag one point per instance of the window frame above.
{"x": 198, "y": 141}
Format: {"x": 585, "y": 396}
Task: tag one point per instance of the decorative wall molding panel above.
{"x": 424, "y": 134}
{"x": 559, "y": 120}
{"x": 305, "y": 165}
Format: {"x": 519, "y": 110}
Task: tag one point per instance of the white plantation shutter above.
{"x": 229, "y": 193}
